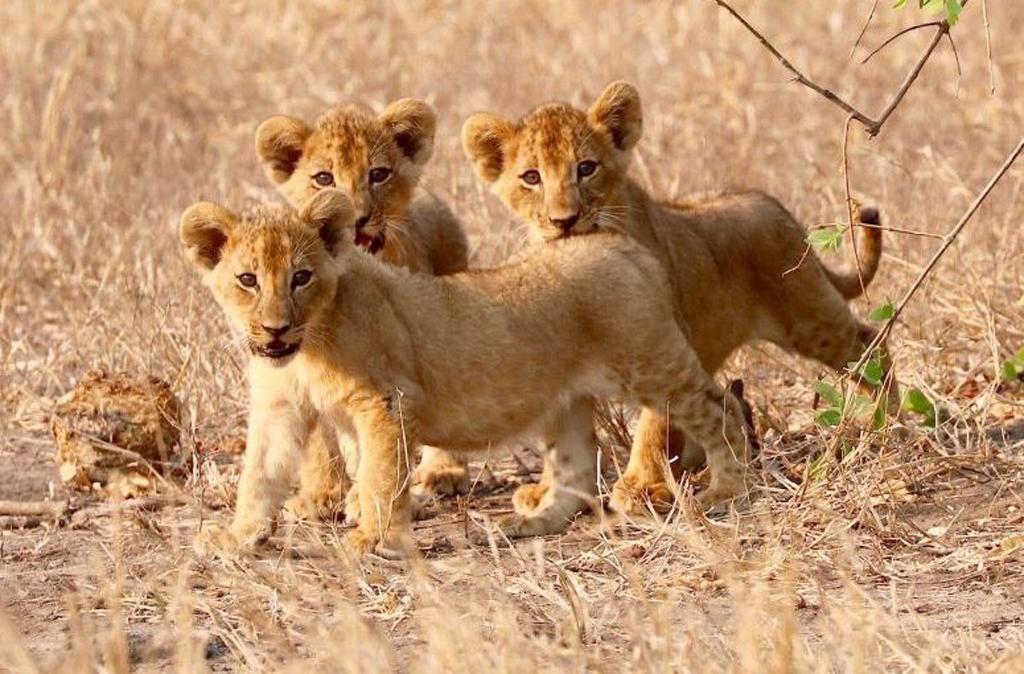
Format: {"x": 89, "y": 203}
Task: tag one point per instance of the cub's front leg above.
{"x": 386, "y": 441}
{"x": 278, "y": 430}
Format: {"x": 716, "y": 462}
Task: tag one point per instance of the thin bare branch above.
{"x": 956, "y": 57}
{"x": 849, "y": 208}
{"x": 947, "y": 241}
{"x": 893, "y": 38}
{"x": 864, "y": 28}
{"x": 909, "y": 79}
{"x": 898, "y": 230}
{"x": 859, "y": 116}
{"x": 871, "y": 125}
{"x": 988, "y": 48}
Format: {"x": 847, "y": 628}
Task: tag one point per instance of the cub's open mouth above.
{"x": 372, "y": 244}
{"x": 275, "y": 350}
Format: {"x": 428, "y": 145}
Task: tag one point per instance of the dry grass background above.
{"x": 906, "y": 555}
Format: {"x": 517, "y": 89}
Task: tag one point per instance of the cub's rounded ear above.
{"x": 279, "y": 144}
{"x": 204, "y": 230}
{"x": 618, "y": 111}
{"x": 483, "y": 140}
{"x": 411, "y": 123}
{"x": 333, "y": 216}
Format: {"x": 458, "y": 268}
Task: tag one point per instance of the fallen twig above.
{"x": 27, "y": 514}
{"x": 33, "y": 508}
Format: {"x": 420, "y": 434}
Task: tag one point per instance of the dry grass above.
{"x": 906, "y": 554}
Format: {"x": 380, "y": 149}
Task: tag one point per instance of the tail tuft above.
{"x": 869, "y": 216}
{"x": 850, "y": 283}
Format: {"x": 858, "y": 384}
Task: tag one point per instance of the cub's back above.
{"x": 600, "y": 277}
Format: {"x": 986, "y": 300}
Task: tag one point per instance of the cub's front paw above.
{"x": 527, "y": 498}
{"x": 442, "y": 476}
{"x": 312, "y": 508}
{"x": 630, "y": 498}
{"x": 361, "y": 542}
{"x": 352, "y": 508}
{"x": 239, "y": 540}
{"x": 217, "y": 542}
{"x": 720, "y": 493}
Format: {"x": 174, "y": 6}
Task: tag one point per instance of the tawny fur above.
{"x": 412, "y": 228}
{"x": 467, "y": 361}
{"x": 734, "y": 260}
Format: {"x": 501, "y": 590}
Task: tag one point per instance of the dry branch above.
{"x": 864, "y": 28}
{"x": 849, "y": 206}
{"x": 872, "y": 126}
{"x": 988, "y": 48}
{"x": 893, "y": 38}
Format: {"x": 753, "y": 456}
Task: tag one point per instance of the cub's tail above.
{"x": 850, "y": 284}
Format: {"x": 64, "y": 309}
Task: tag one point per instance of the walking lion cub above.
{"x": 737, "y": 263}
{"x": 465, "y": 361}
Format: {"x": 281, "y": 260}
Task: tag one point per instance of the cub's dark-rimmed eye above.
{"x": 379, "y": 175}
{"x": 587, "y": 168}
{"x": 531, "y": 177}
{"x": 247, "y": 280}
{"x": 323, "y": 179}
{"x": 301, "y": 278}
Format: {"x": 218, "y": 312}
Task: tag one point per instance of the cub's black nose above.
{"x": 276, "y": 331}
{"x": 565, "y": 224}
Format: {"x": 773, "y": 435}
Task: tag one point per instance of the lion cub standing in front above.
{"x": 376, "y": 161}
{"x": 465, "y": 362}
{"x": 738, "y": 263}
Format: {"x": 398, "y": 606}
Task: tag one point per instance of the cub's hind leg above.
{"x": 323, "y": 480}
{"x": 820, "y": 325}
{"x": 648, "y": 476}
{"x": 571, "y": 486}
{"x": 673, "y": 379}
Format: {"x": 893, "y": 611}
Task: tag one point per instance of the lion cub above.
{"x": 738, "y": 263}
{"x": 376, "y": 160}
{"x": 464, "y": 361}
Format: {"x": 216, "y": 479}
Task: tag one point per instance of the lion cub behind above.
{"x": 464, "y": 362}
{"x": 376, "y": 160}
{"x": 738, "y": 263}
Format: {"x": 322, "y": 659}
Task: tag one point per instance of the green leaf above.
{"x": 827, "y": 238}
{"x": 1010, "y": 370}
{"x": 872, "y": 372}
{"x": 833, "y": 397}
{"x": 829, "y": 417}
{"x": 882, "y": 313}
{"x": 859, "y": 406}
{"x": 916, "y": 402}
{"x": 819, "y": 466}
{"x": 953, "y": 9}
{"x": 899, "y": 3}
{"x": 881, "y": 413}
